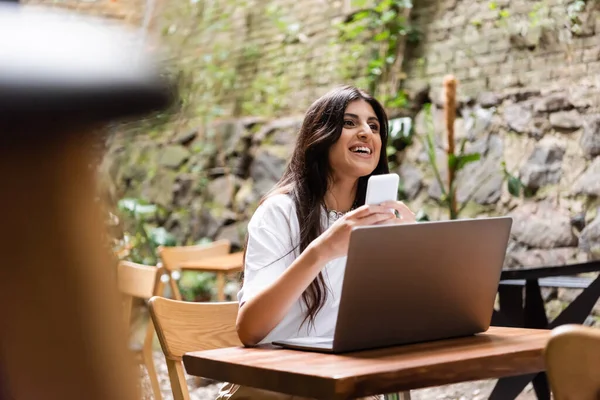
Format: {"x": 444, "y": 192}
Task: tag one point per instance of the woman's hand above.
{"x": 404, "y": 214}
{"x": 333, "y": 243}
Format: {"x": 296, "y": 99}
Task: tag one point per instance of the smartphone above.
{"x": 381, "y": 188}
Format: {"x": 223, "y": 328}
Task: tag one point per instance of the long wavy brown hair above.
{"x": 308, "y": 173}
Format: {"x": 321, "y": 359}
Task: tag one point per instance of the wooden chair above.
{"x": 141, "y": 281}
{"x": 573, "y": 362}
{"x": 186, "y": 326}
{"x": 173, "y": 258}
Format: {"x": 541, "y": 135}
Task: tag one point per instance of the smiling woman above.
{"x": 298, "y": 237}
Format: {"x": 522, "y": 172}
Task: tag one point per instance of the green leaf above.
{"x": 360, "y": 15}
{"x": 161, "y": 237}
{"x": 137, "y": 207}
{"x": 145, "y": 210}
{"x": 452, "y": 161}
{"x": 375, "y": 63}
{"x": 467, "y": 158}
{"x": 390, "y": 150}
{"x": 514, "y": 185}
{"x": 359, "y": 3}
{"x": 127, "y": 204}
{"x": 493, "y": 5}
{"x": 388, "y": 16}
{"x": 203, "y": 240}
{"x": 381, "y": 36}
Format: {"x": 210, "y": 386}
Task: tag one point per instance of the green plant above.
{"x": 197, "y": 286}
{"x": 141, "y": 236}
{"x": 456, "y": 162}
{"x": 382, "y": 31}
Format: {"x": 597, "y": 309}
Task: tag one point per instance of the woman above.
{"x": 298, "y": 237}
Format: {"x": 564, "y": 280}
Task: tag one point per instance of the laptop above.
{"x": 415, "y": 283}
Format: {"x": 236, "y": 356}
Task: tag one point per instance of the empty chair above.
{"x": 186, "y": 326}
{"x": 173, "y": 258}
{"x": 141, "y": 281}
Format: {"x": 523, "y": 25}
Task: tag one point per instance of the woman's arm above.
{"x": 259, "y": 315}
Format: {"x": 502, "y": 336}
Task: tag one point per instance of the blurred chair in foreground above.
{"x": 62, "y": 334}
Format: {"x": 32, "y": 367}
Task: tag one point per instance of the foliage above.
{"x": 141, "y": 236}
{"x": 380, "y": 32}
{"x": 197, "y": 286}
{"x": 458, "y": 162}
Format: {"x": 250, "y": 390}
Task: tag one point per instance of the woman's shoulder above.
{"x": 275, "y": 208}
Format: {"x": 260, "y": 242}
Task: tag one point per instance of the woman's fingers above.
{"x": 368, "y": 210}
{"x": 377, "y": 218}
{"x": 404, "y": 212}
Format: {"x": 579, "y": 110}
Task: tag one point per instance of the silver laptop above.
{"x": 415, "y": 283}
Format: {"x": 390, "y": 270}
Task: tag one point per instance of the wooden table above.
{"x": 497, "y": 353}
{"x": 221, "y": 265}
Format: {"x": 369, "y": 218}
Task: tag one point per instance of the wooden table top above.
{"x": 499, "y": 352}
{"x": 228, "y": 263}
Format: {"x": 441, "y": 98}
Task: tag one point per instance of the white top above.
{"x": 273, "y": 234}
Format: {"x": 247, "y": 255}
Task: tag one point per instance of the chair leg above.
{"x": 149, "y": 363}
{"x": 178, "y": 383}
{"x": 174, "y": 288}
{"x": 220, "y": 286}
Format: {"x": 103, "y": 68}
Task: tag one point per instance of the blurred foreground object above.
{"x": 61, "y": 78}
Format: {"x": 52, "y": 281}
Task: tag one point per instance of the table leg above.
{"x": 509, "y": 388}
{"x": 580, "y": 308}
{"x": 535, "y": 311}
{"x": 541, "y": 386}
{"x": 532, "y": 315}
{"x": 511, "y": 305}
{"x": 220, "y": 286}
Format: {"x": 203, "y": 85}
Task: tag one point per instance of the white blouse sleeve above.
{"x": 270, "y": 248}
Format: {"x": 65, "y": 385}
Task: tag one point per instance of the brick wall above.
{"x": 277, "y": 53}
{"x": 504, "y": 45}
{"x": 277, "y": 56}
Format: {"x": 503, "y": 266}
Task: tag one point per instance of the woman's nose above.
{"x": 365, "y": 131}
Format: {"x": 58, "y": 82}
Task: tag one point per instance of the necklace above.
{"x": 334, "y": 215}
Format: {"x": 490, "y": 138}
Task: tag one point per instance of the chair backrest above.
{"x": 175, "y": 255}
{"x": 186, "y": 326}
{"x": 573, "y": 362}
{"x": 137, "y": 280}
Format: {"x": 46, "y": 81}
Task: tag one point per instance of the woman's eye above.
{"x": 348, "y": 123}
{"x": 374, "y": 127}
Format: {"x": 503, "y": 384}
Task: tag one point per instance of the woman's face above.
{"x": 357, "y": 151}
